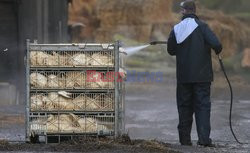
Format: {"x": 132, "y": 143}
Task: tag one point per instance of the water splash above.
{"x": 132, "y": 50}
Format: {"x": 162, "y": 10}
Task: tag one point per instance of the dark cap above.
{"x": 188, "y": 5}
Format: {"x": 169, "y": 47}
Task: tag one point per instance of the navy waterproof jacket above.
{"x": 191, "y": 42}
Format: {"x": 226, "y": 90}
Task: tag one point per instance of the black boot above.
{"x": 209, "y": 144}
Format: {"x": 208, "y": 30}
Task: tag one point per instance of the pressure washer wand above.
{"x": 158, "y": 42}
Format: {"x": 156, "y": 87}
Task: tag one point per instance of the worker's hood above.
{"x": 184, "y": 29}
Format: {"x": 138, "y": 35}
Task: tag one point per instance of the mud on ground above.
{"x": 103, "y": 145}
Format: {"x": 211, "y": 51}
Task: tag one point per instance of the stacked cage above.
{"x": 74, "y": 89}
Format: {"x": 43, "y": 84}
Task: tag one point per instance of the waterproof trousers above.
{"x": 194, "y": 99}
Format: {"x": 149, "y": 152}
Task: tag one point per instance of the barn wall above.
{"x": 8, "y": 39}
{"x": 42, "y": 20}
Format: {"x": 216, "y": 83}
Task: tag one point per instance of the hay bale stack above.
{"x": 101, "y": 60}
{"x": 38, "y": 80}
{"x": 83, "y": 11}
{"x": 225, "y": 27}
{"x": 245, "y": 63}
{"x": 133, "y": 19}
{"x": 75, "y": 79}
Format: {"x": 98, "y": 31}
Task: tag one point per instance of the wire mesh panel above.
{"x": 72, "y": 89}
{"x": 71, "y": 80}
{"x": 38, "y": 123}
{"x": 71, "y": 59}
{"x": 72, "y": 124}
{"x": 66, "y": 101}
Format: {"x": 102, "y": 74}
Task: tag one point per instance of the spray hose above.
{"x": 231, "y": 99}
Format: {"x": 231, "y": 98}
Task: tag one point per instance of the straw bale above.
{"x": 133, "y": 12}
{"x": 246, "y": 58}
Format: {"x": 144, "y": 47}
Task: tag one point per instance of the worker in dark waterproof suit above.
{"x": 191, "y": 42}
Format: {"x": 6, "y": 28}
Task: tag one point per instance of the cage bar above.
{"x": 72, "y": 90}
{"x": 67, "y": 101}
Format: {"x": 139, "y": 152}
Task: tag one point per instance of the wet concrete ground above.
{"x": 151, "y": 113}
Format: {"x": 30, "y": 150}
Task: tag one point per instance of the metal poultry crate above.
{"x": 61, "y": 79}
{"x": 72, "y": 58}
{"x": 66, "y": 123}
{"x": 74, "y": 89}
{"x": 66, "y": 101}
